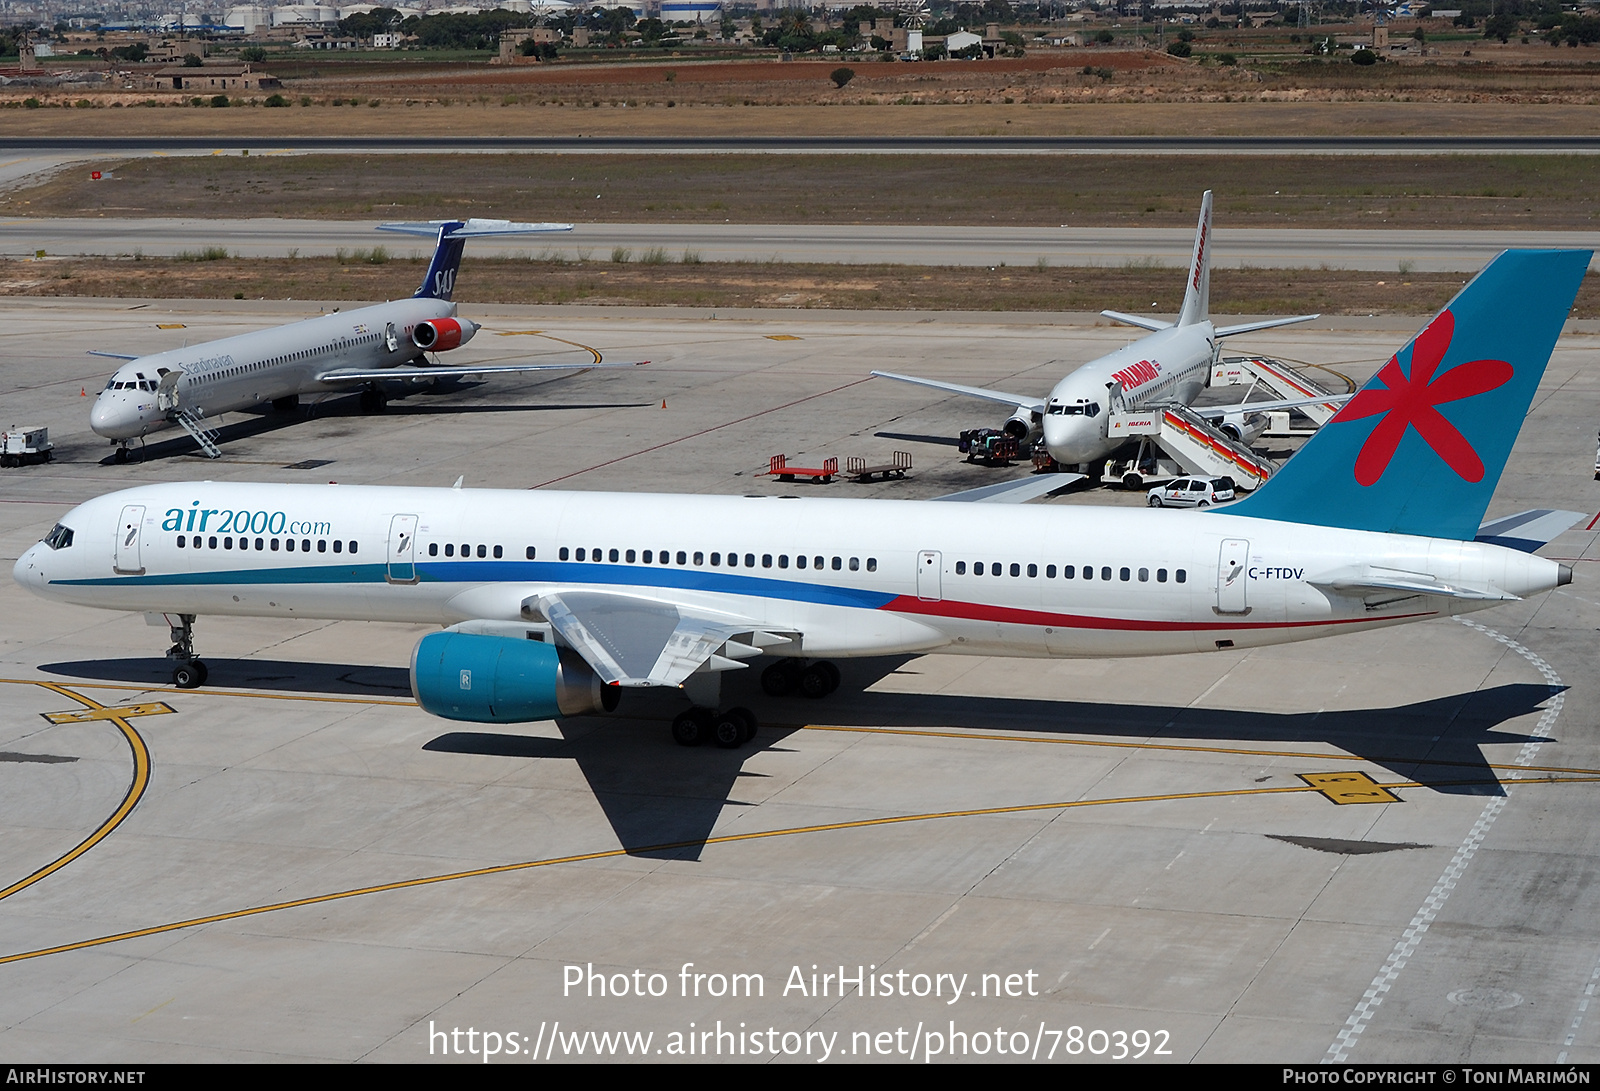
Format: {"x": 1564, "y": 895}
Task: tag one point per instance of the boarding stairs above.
{"x": 1278, "y": 379}
{"x": 205, "y": 437}
{"x": 1191, "y": 442}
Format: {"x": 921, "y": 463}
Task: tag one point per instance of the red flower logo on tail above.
{"x": 1410, "y": 402}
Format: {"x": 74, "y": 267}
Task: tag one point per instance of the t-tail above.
{"x": 451, "y": 237}
{"x": 1197, "y": 293}
{"x": 1420, "y": 448}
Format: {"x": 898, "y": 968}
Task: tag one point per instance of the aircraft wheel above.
{"x": 286, "y": 404}
{"x": 819, "y": 679}
{"x": 728, "y": 730}
{"x": 780, "y": 679}
{"x": 691, "y": 728}
{"x": 190, "y": 675}
{"x": 1155, "y": 501}
{"x": 120, "y": 455}
{"x": 747, "y": 721}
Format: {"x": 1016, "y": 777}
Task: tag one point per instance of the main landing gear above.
{"x": 374, "y": 399}
{"x": 729, "y": 729}
{"x": 788, "y": 675}
{"x": 188, "y": 672}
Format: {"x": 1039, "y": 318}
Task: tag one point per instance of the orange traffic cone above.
{"x": 663, "y": 403}
{"x": 83, "y": 392}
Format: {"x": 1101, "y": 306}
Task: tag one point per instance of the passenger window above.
{"x": 227, "y": 543}
{"x": 562, "y": 555}
{"x": 699, "y": 558}
{"x": 275, "y": 546}
{"x": 1016, "y": 569}
{"x": 1033, "y": 571}
{"x": 1049, "y": 571}
{"x": 800, "y": 561}
{"x": 305, "y": 545}
{"x": 1161, "y": 575}
{"x": 766, "y": 560}
{"x": 614, "y": 556}
{"x": 749, "y": 560}
{"x": 288, "y": 543}
{"x": 581, "y": 554}
{"x": 483, "y": 551}
{"x": 531, "y": 552}
{"x": 961, "y": 568}
{"x": 498, "y": 552}
{"x": 1068, "y": 571}
{"x": 817, "y": 562}
{"x": 977, "y": 568}
{"x": 836, "y": 564}
{"x": 683, "y": 558}
{"x": 352, "y": 546}
{"x": 630, "y": 555}
{"x": 322, "y": 545}
{"x": 433, "y": 549}
{"x": 783, "y": 560}
{"x": 1105, "y": 573}
{"x": 180, "y": 542}
{"x": 1181, "y": 575}
{"x": 1088, "y": 572}
{"x": 1124, "y": 575}
{"x": 716, "y": 560}
{"x": 1144, "y": 575}
{"x": 733, "y": 560}
{"x": 855, "y": 564}
{"x": 338, "y": 546}
{"x": 872, "y": 564}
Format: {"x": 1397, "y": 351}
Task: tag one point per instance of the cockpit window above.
{"x": 60, "y": 537}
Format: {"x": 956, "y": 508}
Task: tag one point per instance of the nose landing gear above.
{"x": 188, "y": 672}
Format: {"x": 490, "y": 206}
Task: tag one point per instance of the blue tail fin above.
{"x": 440, "y": 280}
{"x": 1421, "y": 447}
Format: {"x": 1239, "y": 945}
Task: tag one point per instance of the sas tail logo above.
{"x": 1409, "y": 402}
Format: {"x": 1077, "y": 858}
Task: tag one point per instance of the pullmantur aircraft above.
{"x": 372, "y": 347}
{"x": 1169, "y": 367}
{"x": 555, "y": 602}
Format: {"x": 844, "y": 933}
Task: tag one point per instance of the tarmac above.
{"x": 1368, "y": 848}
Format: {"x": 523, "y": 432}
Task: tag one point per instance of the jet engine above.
{"x": 442, "y": 334}
{"x": 1025, "y": 425}
{"x": 1243, "y": 427}
{"x": 501, "y": 680}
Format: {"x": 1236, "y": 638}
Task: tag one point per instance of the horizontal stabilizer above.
{"x": 1021, "y": 401}
{"x": 1264, "y": 324}
{"x": 470, "y": 229}
{"x": 1367, "y": 579}
{"x": 1152, "y": 324}
{"x": 347, "y": 376}
{"x": 1527, "y": 530}
{"x": 1019, "y": 491}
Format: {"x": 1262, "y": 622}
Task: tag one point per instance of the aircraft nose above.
{"x": 109, "y": 418}
{"x": 27, "y": 571}
{"x": 1072, "y": 439}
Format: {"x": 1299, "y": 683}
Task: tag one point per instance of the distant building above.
{"x": 214, "y": 78}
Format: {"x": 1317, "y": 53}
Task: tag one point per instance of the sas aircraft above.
{"x": 554, "y": 603}
{"x": 368, "y": 348}
{"x": 1170, "y": 366}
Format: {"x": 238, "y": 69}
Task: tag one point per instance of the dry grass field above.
{"x": 740, "y": 284}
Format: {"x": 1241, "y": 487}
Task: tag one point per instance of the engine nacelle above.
{"x": 1244, "y": 427}
{"x": 442, "y": 334}
{"x": 500, "y": 680}
{"x": 1024, "y": 425}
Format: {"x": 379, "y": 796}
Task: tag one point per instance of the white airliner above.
{"x": 557, "y": 601}
{"x": 1169, "y": 367}
{"x": 368, "y": 347}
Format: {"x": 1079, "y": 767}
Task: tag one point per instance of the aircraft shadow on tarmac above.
{"x": 663, "y": 800}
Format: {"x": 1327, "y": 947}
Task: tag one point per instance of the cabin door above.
{"x": 128, "y": 540}
{"x": 930, "y": 563}
{"x": 402, "y": 549}
{"x": 1233, "y": 576}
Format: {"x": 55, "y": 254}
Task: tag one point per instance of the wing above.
{"x": 634, "y": 641}
{"x": 1022, "y": 401}
{"x": 1527, "y": 530}
{"x": 345, "y": 376}
{"x": 112, "y": 355}
{"x": 1154, "y": 325}
{"x": 1019, "y": 491}
{"x": 1266, "y": 324}
{"x": 473, "y": 228}
{"x": 1217, "y": 412}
